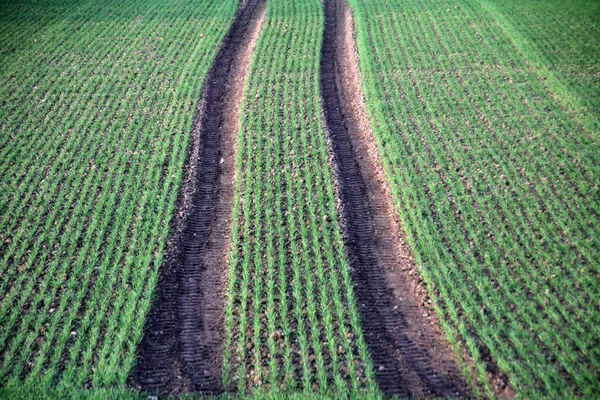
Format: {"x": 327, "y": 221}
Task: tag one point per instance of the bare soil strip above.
{"x": 411, "y": 355}
{"x": 182, "y": 346}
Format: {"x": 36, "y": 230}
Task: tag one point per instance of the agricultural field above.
{"x": 299, "y": 198}
{"x": 561, "y": 42}
{"x": 97, "y": 102}
{"x": 497, "y": 187}
{"x": 291, "y": 319}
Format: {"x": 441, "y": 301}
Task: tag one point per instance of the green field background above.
{"x": 495, "y": 173}
{"x": 97, "y": 101}
{"x": 486, "y": 116}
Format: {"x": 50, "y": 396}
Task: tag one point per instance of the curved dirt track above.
{"x": 410, "y": 353}
{"x": 182, "y": 346}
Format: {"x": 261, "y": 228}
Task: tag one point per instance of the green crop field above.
{"x": 290, "y": 294}
{"x": 97, "y": 101}
{"x": 561, "y": 43}
{"x": 497, "y": 187}
{"x": 486, "y": 117}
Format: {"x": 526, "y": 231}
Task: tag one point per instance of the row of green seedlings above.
{"x": 291, "y": 317}
{"x": 579, "y": 306}
{"x": 20, "y": 70}
{"x": 25, "y": 156}
{"x": 21, "y": 22}
{"x": 42, "y": 93}
{"x": 88, "y": 254}
{"x": 451, "y": 151}
{"x": 558, "y": 39}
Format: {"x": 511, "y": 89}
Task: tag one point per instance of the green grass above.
{"x": 496, "y": 182}
{"x": 291, "y": 318}
{"x": 97, "y": 104}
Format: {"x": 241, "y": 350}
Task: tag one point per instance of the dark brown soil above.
{"x": 411, "y": 355}
{"x": 182, "y": 346}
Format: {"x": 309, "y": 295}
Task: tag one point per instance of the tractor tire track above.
{"x": 182, "y": 346}
{"x": 410, "y": 354}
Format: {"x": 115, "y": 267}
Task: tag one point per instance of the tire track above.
{"x": 410, "y": 353}
{"x": 182, "y": 346}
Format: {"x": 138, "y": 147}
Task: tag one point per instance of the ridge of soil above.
{"x": 410, "y": 353}
{"x": 181, "y": 350}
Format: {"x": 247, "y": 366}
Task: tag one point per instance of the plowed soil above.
{"x": 411, "y": 355}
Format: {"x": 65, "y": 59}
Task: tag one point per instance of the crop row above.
{"x": 291, "y": 318}
{"x": 94, "y": 127}
{"x": 496, "y": 186}
{"x": 560, "y": 40}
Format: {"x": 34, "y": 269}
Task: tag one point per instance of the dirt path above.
{"x": 182, "y": 346}
{"x": 411, "y": 355}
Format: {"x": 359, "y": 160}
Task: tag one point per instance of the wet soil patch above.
{"x": 411, "y": 356}
{"x": 182, "y": 346}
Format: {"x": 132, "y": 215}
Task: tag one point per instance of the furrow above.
{"x": 409, "y": 351}
{"x": 182, "y": 347}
